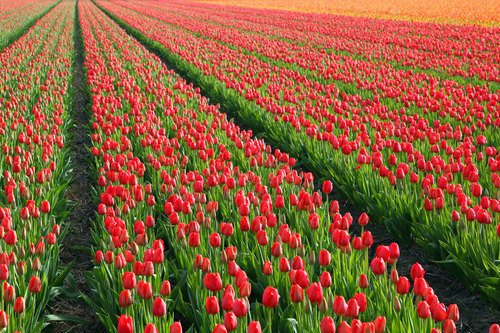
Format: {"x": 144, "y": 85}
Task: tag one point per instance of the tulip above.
{"x": 239, "y": 307}
{"x": 267, "y": 269}
{"x": 449, "y": 326}
{"x": 230, "y": 321}
{"x": 352, "y": 309}
{"x": 315, "y": 293}
{"x": 9, "y": 294}
{"x": 271, "y": 297}
{"x": 423, "y": 310}
{"x": 325, "y": 279}
{"x": 125, "y": 324}
{"x": 219, "y": 328}
{"x": 254, "y": 327}
{"x": 159, "y": 307}
{"x": 35, "y": 285}
{"x": 4, "y": 272}
{"x": 227, "y": 301}
{"x": 378, "y": 266}
{"x": 165, "y": 288}
{"x": 128, "y": 280}
{"x": 379, "y": 323}
{"x": 125, "y": 299}
{"x": 438, "y": 311}
{"x": 324, "y": 258}
{"x": 296, "y": 294}
{"x": 245, "y": 289}
{"x": 213, "y": 282}
{"x": 327, "y": 325}
{"x": 212, "y": 305}
{"x": 339, "y": 305}
{"x": 453, "y": 312}
{"x": 344, "y": 327}
{"x": 4, "y": 319}
{"x": 363, "y": 281}
{"x": 150, "y": 328}
{"x": 403, "y": 285}
{"x": 176, "y": 327}
{"x": 327, "y": 187}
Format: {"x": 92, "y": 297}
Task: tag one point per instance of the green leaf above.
{"x": 72, "y": 319}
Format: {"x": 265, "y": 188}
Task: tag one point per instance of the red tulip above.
{"x": 453, "y": 312}
{"x": 270, "y": 297}
{"x": 125, "y": 324}
{"x": 176, "y": 327}
{"x": 449, "y": 326}
{"x": 363, "y": 281}
{"x": 327, "y": 187}
{"x": 438, "y": 311}
{"x": 417, "y": 271}
{"x": 213, "y": 282}
{"x": 159, "y": 307}
{"x": 378, "y": 266}
{"x": 315, "y": 293}
{"x": 4, "y": 319}
{"x": 219, "y": 328}
{"x": 403, "y": 285}
{"x": 423, "y": 310}
{"x": 212, "y": 305}
{"x": 150, "y": 328}
{"x": 165, "y": 288}
{"x": 327, "y": 325}
{"x": 128, "y": 280}
{"x": 254, "y": 327}
{"x": 35, "y": 285}
{"x": 240, "y": 307}
{"x": 230, "y": 321}
{"x": 325, "y": 279}
{"x": 19, "y": 305}
{"x": 379, "y": 323}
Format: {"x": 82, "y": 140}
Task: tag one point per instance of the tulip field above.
{"x": 219, "y": 141}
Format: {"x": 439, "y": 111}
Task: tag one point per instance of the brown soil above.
{"x": 79, "y": 219}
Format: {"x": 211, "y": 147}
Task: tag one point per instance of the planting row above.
{"x": 432, "y": 176}
{"x": 198, "y": 220}
{"x": 15, "y": 16}
{"x": 34, "y": 121}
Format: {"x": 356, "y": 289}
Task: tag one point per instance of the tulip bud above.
{"x": 397, "y": 304}
{"x": 449, "y": 326}
{"x": 21, "y": 268}
{"x": 312, "y": 258}
{"x": 4, "y": 319}
{"x": 9, "y": 294}
{"x": 37, "y": 264}
{"x": 302, "y": 251}
{"x": 363, "y": 281}
{"x": 323, "y": 305}
{"x": 35, "y": 285}
{"x": 453, "y": 313}
{"x": 19, "y": 305}
{"x": 21, "y": 252}
{"x": 165, "y": 288}
{"x": 394, "y": 276}
{"x": 307, "y": 306}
